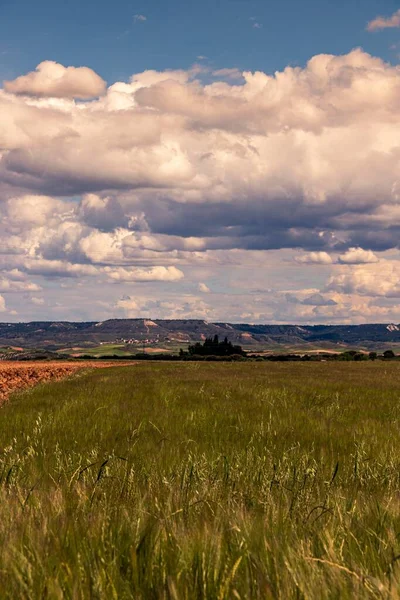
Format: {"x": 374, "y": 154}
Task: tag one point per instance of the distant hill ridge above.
{"x": 58, "y": 334}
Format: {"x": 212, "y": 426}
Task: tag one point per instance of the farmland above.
{"x": 204, "y": 480}
{"x": 122, "y": 350}
{"x": 20, "y": 375}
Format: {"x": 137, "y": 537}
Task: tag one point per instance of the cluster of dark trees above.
{"x": 213, "y": 347}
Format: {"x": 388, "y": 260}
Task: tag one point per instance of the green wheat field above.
{"x": 204, "y": 480}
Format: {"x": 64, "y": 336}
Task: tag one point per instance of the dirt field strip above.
{"x": 19, "y": 375}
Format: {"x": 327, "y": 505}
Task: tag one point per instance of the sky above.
{"x": 226, "y": 160}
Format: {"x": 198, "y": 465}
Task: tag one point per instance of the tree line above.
{"x": 213, "y": 347}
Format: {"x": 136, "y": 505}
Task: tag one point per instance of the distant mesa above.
{"x": 155, "y": 333}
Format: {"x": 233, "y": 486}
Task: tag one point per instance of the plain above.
{"x": 204, "y": 480}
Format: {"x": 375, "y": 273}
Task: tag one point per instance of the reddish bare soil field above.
{"x": 18, "y": 375}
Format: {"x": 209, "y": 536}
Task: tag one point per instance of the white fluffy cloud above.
{"x": 130, "y": 307}
{"x": 152, "y": 274}
{"x": 7, "y": 285}
{"x": 356, "y": 256}
{"x": 58, "y": 268}
{"x": 373, "y": 280}
{"x": 50, "y": 79}
{"x": 315, "y": 258}
{"x": 384, "y": 22}
{"x": 32, "y": 211}
{"x": 204, "y": 288}
{"x": 184, "y": 307}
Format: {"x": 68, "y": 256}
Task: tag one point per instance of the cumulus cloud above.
{"x": 139, "y": 18}
{"x": 357, "y": 312}
{"x": 185, "y": 307}
{"x": 174, "y": 153}
{"x": 130, "y": 307}
{"x": 7, "y": 285}
{"x": 102, "y": 213}
{"x": 373, "y": 280}
{"x": 58, "y": 268}
{"x": 356, "y": 256}
{"x": 384, "y": 22}
{"x": 315, "y": 258}
{"x": 204, "y": 288}
{"x": 169, "y": 172}
{"x": 32, "y": 211}
{"x": 63, "y": 268}
{"x": 152, "y": 274}
{"x": 50, "y": 79}
{"x": 15, "y": 275}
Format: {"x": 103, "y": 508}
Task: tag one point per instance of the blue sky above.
{"x": 262, "y": 187}
{"x": 105, "y": 36}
